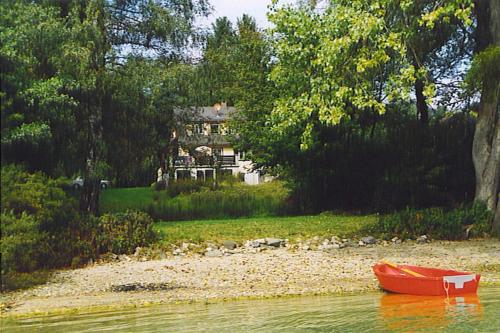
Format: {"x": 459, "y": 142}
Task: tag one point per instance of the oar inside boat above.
{"x": 406, "y": 270}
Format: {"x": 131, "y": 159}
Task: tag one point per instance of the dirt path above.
{"x": 269, "y": 273}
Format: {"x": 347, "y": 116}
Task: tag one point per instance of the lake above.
{"x": 369, "y": 312}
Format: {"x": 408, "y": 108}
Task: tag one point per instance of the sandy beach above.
{"x": 269, "y": 273}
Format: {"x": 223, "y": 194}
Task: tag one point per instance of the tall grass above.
{"x": 235, "y": 201}
{"x": 228, "y": 200}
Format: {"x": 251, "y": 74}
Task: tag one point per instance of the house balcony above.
{"x": 202, "y": 140}
{"x": 227, "y": 160}
{"x": 188, "y": 161}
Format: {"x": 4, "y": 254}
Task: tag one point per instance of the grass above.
{"x": 229, "y": 200}
{"x": 243, "y": 229}
{"x": 115, "y": 200}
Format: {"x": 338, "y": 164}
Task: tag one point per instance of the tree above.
{"x": 486, "y": 146}
{"x": 69, "y": 52}
{"x": 253, "y": 92}
{"x": 355, "y": 56}
{"x": 215, "y": 70}
{"x": 38, "y": 123}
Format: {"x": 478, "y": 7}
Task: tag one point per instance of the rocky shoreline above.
{"x": 258, "y": 268}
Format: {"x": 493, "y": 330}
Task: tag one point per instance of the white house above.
{"x": 204, "y": 151}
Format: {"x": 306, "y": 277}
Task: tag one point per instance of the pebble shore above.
{"x": 245, "y": 271}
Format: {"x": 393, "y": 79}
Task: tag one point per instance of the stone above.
{"x": 256, "y": 244}
{"x": 361, "y": 243}
{"x": 214, "y": 253}
{"x": 422, "y": 239}
{"x": 328, "y": 247}
{"x": 306, "y": 247}
{"x": 369, "y": 240}
{"x": 326, "y": 242}
{"x": 260, "y": 241}
{"x": 177, "y": 252}
{"x": 394, "y": 239}
{"x": 229, "y": 244}
{"x": 252, "y": 244}
{"x": 274, "y": 242}
{"x": 137, "y": 251}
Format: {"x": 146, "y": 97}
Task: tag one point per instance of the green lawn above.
{"x": 244, "y": 229}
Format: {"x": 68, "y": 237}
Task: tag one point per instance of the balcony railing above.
{"x": 188, "y": 161}
{"x": 227, "y": 160}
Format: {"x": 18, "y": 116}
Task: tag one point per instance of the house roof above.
{"x": 204, "y": 113}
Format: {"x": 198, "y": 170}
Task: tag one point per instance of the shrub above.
{"x": 16, "y": 280}
{"x": 39, "y": 221}
{"x": 123, "y": 232}
{"x": 436, "y": 222}
{"x": 21, "y": 244}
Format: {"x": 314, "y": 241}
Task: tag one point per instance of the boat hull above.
{"x": 435, "y": 282}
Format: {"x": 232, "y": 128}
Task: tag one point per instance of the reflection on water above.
{"x": 372, "y": 312}
{"x": 425, "y": 313}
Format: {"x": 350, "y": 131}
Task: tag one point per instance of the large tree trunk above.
{"x": 89, "y": 200}
{"x": 486, "y": 145}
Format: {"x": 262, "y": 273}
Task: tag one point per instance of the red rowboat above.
{"x": 415, "y": 280}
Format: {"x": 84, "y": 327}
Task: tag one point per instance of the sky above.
{"x": 236, "y": 8}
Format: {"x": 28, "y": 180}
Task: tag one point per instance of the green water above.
{"x": 371, "y": 312}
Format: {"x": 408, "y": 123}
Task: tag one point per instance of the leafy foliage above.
{"x": 42, "y": 228}
{"x": 123, "y": 232}
{"x": 436, "y": 222}
{"x": 21, "y": 243}
{"x": 41, "y": 225}
{"x": 484, "y": 68}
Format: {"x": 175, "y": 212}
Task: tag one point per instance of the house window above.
{"x": 198, "y": 129}
{"x": 214, "y": 129}
{"x": 183, "y": 174}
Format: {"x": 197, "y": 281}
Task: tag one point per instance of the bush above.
{"x": 16, "y": 280}
{"x": 39, "y": 221}
{"x": 436, "y": 222}
{"x": 42, "y": 228}
{"x": 22, "y": 244}
{"x": 122, "y": 232}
